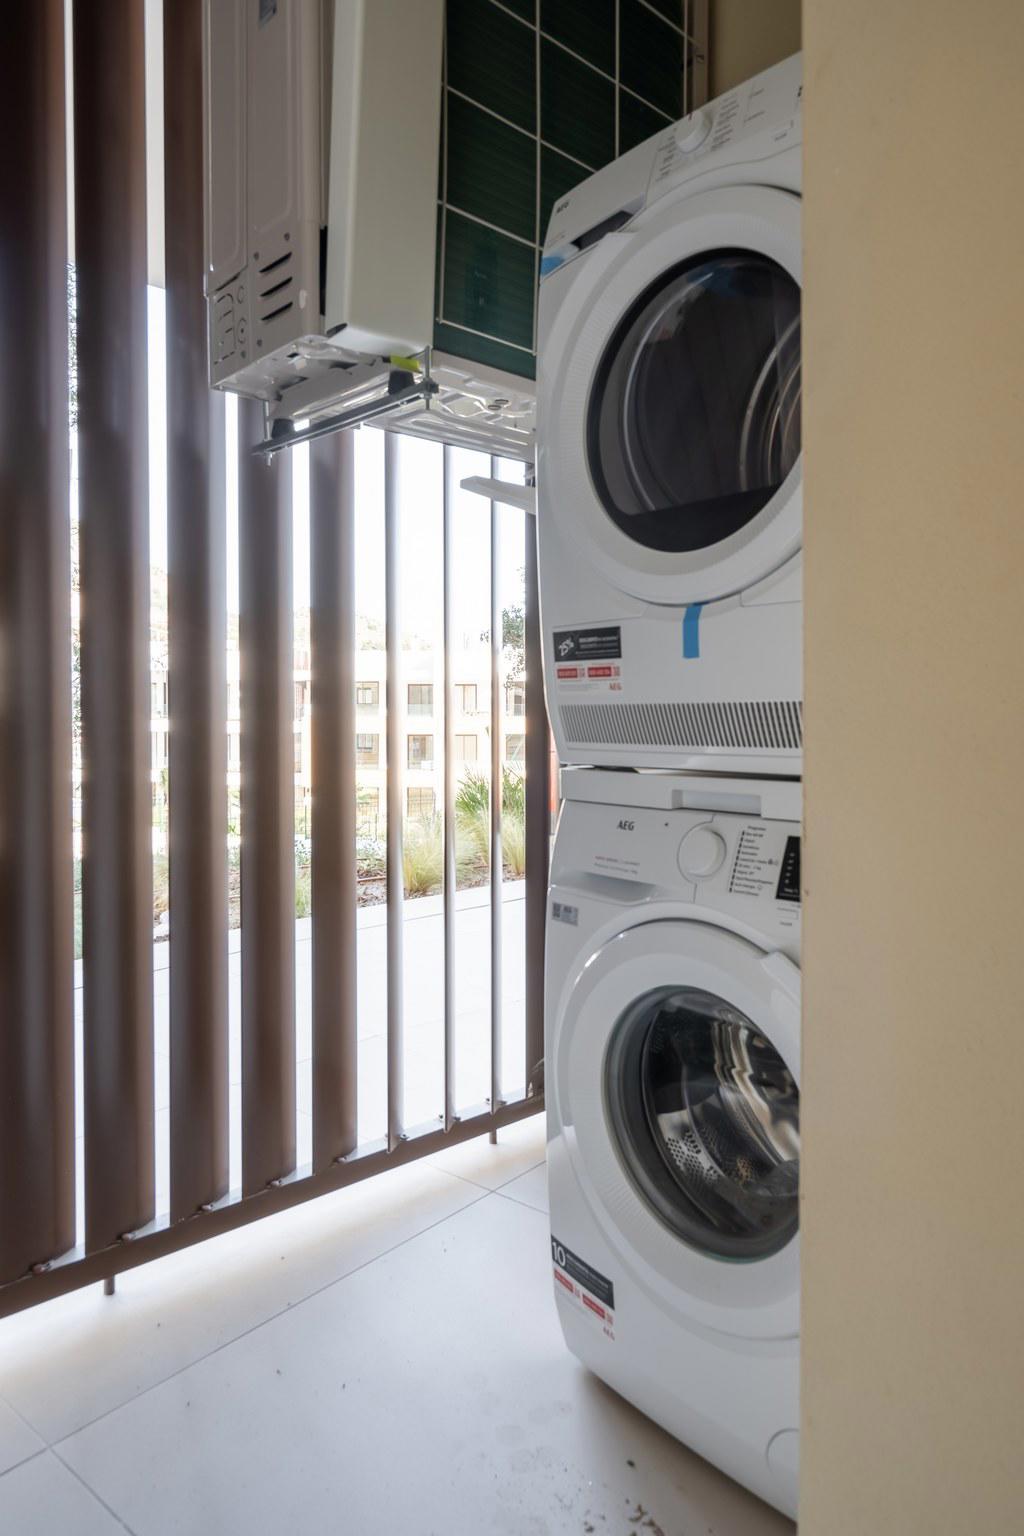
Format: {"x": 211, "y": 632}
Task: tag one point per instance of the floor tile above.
{"x": 17, "y": 1441}
{"x": 65, "y": 1363}
{"x": 531, "y": 1188}
{"x": 429, "y": 1393}
{"x": 42, "y": 1498}
{"x": 520, "y": 1147}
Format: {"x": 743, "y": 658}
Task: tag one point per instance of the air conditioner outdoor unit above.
{"x": 322, "y": 139}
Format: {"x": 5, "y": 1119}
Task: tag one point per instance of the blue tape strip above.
{"x": 549, "y": 264}
{"x": 691, "y": 632}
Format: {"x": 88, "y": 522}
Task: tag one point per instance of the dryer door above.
{"x": 670, "y": 398}
{"x": 677, "y": 1072}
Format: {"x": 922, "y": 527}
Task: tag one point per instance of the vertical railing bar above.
{"x": 113, "y": 429}
{"x": 37, "y": 1089}
{"x": 332, "y": 711}
{"x": 197, "y": 621}
{"x": 395, "y": 778}
{"x": 450, "y": 875}
{"x": 495, "y": 799}
{"x": 538, "y": 819}
{"x": 267, "y": 800}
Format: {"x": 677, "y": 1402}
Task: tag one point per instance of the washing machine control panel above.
{"x": 746, "y": 866}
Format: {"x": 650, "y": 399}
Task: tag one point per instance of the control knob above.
{"x": 701, "y": 853}
{"x": 693, "y": 130}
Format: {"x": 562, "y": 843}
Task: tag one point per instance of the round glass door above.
{"x": 694, "y": 418}
{"x": 706, "y": 1117}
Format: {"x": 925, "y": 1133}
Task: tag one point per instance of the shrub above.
{"x": 423, "y": 856}
{"x": 513, "y": 845}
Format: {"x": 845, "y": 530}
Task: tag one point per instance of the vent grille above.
{"x": 275, "y": 281}
{"x": 774, "y": 726}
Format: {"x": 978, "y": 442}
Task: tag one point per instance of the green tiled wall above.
{"x": 537, "y": 94}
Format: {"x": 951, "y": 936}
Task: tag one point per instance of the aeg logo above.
{"x": 627, "y": 826}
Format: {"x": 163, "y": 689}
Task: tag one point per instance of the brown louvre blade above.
{"x": 117, "y": 881}
{"x": 37, "y": 1101}
{"x": 196, "y": 543}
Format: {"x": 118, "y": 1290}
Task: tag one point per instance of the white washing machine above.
{"x": 668, "y": 445}
{"x": 673, "y": 1064}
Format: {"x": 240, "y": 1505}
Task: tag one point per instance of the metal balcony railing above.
{"x": 40, "y": 1255}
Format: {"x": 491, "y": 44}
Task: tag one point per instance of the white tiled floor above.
{"x": 384, "y": 1360}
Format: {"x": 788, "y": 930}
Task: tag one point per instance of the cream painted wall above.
{"x": 747, "y": 36}
{"x": 913, "y": 1076}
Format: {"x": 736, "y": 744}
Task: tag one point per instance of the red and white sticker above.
{"x": 583, "y": 1285}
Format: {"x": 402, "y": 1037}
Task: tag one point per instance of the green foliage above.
{"x": 423, "y": 856}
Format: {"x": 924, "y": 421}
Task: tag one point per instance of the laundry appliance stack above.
{"x": 669, "y": 537}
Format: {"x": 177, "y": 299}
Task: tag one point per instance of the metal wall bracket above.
{"x": 403, "y": 385}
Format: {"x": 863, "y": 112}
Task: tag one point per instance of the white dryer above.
{"x": 668, "y": 445}
{"x": 673, "y": 1064}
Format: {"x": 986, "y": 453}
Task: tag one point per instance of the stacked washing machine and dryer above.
{"x": 669, "y": 534}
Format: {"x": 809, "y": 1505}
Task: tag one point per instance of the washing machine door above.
{"x": 670, "y": 397}
{"x": 677, "y": 1073}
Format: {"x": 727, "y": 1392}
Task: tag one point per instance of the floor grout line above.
{"x": 246, "y": 1332}
{"x": 526, "y": 1205}
{"x": 491, "y": 1189}
{"x": 43, "y": 1450}
{"x": 28, "y": 1425}
{"x": 92, "y": 1493}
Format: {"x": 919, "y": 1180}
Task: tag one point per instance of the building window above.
{"x": 515, "y": 745}
{"x": 158, "y": 688}
{"x": 232, "y": 701}
{"x": 367, "y": 749}
{"x": 234, "y": 755}
{"x": 367, "y": 812}
{"x": 298, "y": 752}
{"x": 367, "y": 695}
{"x": 465, "y": 698}
{"x": 420, "y": 802}
{"x": 466, "y": 749}
{"x": 421, "y": 752}
{"x": 300, "y": 700}
{"x": 515, "y": 698}
{"x": 421, "y": 698}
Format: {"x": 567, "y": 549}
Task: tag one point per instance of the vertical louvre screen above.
{"x": 273, "y": 755}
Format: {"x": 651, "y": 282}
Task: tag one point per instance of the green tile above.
{"x": 671, "y": 9}
{"x": 492, "y": 169}
{"x": 577, "y": 107}
{"x": 491, "y": 58}
{"x": 585, "y": 26}
{"x": 489, "y": 281}
{"x": 557, "y": 176}
{"x": 527, "y": 9}
{"x": 637, "y": 121}
{"x": 481, "y": 349}
{"x": 651, "y": 58}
